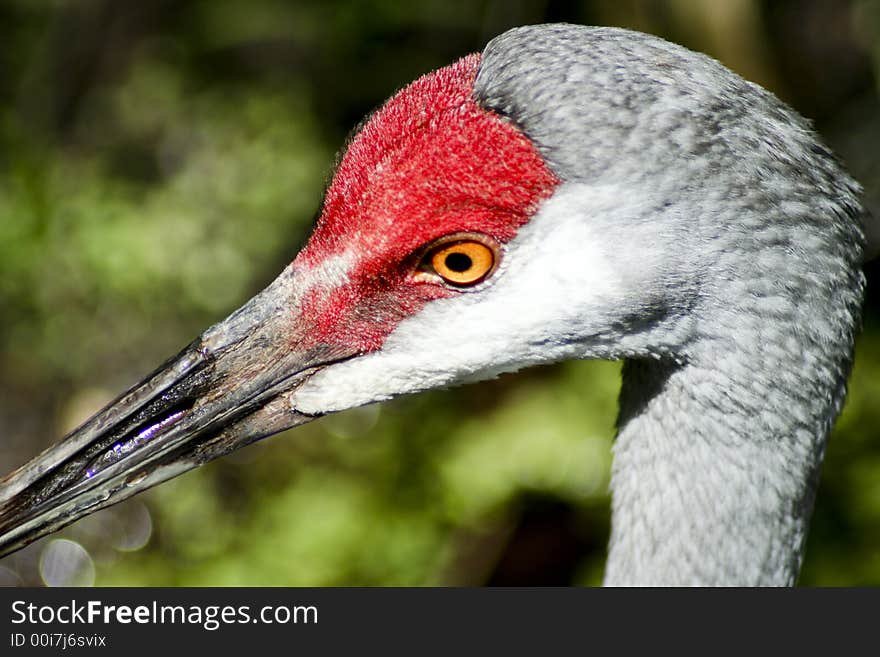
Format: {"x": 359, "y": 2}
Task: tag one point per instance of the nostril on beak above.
{"x": 138, "y": 437}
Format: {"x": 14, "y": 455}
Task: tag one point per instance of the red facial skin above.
{"x": 429, "y": 163}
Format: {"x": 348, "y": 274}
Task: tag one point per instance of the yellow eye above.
{"x": 464, "y": 262}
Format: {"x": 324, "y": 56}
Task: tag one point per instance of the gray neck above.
{"x": 698, "y": 497}
{"x": 721, "y": 440}
{"x": 716, "y": 464}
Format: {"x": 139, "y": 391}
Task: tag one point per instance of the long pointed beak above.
{"x": 229, "y": 388}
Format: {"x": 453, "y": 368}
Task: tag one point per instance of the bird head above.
{"x": 421, "y": 211}
{"x": 518, "y": 207}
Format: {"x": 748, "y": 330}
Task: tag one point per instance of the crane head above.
{"x": 422, "y": 206}
{"x": 572, "y": 192}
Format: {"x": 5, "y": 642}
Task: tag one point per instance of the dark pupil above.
{"x": 459, "y": 262}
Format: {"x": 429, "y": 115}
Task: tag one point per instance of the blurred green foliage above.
{"x": 161, "y": 161}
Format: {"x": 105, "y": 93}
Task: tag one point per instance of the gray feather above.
{"x": 745, "y": 298}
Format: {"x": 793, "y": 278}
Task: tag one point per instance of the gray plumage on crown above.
{"x": 746, "y": 290}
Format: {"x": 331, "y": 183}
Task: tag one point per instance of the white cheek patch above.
{"x": 542, "y": 305}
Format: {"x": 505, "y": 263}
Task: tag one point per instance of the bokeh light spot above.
{"x": 66, "y": 563}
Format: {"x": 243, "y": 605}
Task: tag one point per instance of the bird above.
{"x": 570, "y": 192}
